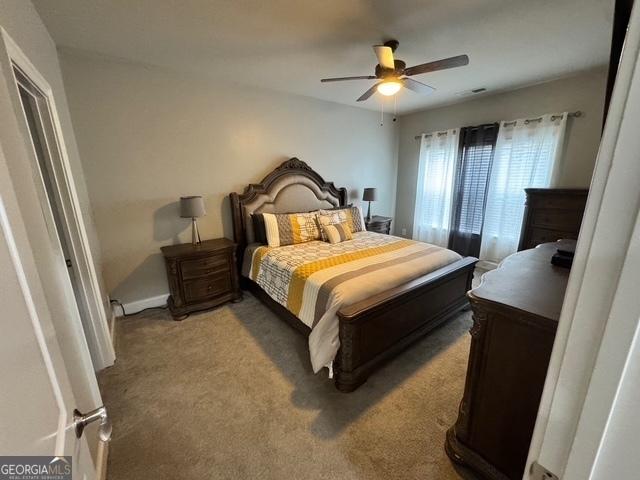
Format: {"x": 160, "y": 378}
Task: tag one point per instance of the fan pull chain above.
{"x": 395, "y": 107}
{"x": 382, "y": 113}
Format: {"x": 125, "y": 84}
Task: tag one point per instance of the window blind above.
{"x": 471, "y": 179}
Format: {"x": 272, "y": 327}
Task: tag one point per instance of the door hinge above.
{"x": 68, "y": 262}
{"x": 538, "y": 472}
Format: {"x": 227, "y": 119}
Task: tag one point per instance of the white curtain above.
{"x": 526, "y": 155}
{"x": 434, "y": 194}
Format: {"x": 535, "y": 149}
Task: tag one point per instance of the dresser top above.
{"x": 187, "y": 249}
{"x": 527, "y": 281}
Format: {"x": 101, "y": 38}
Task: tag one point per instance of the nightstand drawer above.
{"x": 205, "y": 287}
{"x": 201, "y": 267}
{"x": 379, "y": 227}
{"x": 378, "y": 224}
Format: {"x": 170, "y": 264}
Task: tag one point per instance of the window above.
{"x": 434, "y": 193}
{"x": 525, "y": 156}
{"x": 472, "y": 177}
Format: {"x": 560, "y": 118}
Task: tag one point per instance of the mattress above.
{"x": 314, "y": 280}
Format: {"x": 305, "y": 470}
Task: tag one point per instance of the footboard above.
{"x": 375, "y": 329}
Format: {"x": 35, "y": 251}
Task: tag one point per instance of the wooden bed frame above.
{"x": 375, "y": 329}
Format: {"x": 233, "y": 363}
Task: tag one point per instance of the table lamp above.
{"x": 192, "y": 207}
{"x": 369, "y": 195}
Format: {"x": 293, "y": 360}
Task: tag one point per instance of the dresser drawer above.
{"x": 565, "y": 220}
{"x": 563, "y": 202}
{"x": 206, "y": 287}
{"x": 200, "y": 267}
{"x": 543, "y": 235}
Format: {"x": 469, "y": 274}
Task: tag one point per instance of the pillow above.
{"x": 290, "y": 228}
{"x": 352, "y": 216}
{"x": 341, "y": 207}
{"x": 259, "y": 231}
{"x": 337, "y": 232}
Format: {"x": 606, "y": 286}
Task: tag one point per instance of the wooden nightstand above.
{"x": 202, "y": 276}
{"x": 378, "y": 224}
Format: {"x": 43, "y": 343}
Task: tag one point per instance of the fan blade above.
{"x": 416, "y": 86}
{"x": 452, "y": 62}
{"x": 385, "y": 56}
{"x": 368, "y": 93}
{"x": 340, "y": 79}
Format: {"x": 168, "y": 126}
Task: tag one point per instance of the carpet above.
{"x": 230, "y": 393}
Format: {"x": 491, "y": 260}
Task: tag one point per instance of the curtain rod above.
{"x": 575, "y": 114}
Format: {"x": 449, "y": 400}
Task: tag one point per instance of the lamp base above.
{"x": 369, "y": 213}
{"x": 195, "y": 234}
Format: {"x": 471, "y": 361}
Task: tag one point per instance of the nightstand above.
{"x": 378, "y": 224}
{"x": 201, "y": 276}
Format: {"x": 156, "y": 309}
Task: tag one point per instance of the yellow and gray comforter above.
{"x": 314, "y": 280}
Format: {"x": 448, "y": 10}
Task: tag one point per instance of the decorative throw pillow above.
{"x": 337, "y": 232}
{"x": 352, "y": 216}
{"x": 259, "y": 231}
{"x": 338, "y": 208}
{"x": 290, "y": 228}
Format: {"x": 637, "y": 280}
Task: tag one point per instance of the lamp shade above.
{"x": 370, "y": 195}
{"x": 192, "y": 207}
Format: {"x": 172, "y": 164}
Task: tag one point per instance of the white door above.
{"x": 588, "y": 424}
{"x": 36, "y": 404}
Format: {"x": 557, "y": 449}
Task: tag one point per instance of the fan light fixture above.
{"x": 393, "y": 74}
{"x": 389, "y": 88}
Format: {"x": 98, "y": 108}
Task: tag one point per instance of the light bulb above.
{"x": 389, "y": 88}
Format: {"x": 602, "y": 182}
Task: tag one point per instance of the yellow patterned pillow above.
{"x": 290, "y": 228}
{"x": 337, "y": 232}
{"x": 352, "y": 216}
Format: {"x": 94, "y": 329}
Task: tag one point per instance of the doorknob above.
{"x": 81, "y": 420}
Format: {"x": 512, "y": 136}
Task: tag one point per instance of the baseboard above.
{"x": 486, "y": 265}
{"x": 139, "y": 305}
{"x": 101, "y": 460}
{"x": 112, "y": 322}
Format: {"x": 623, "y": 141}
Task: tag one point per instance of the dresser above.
{"x": 551, "y": 214}
{"x": 515, "y": 315}
{"x": 201, "y": 276}
{"x": 378, "y": 224}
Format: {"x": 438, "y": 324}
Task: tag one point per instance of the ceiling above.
{"x": 288, "y": 45}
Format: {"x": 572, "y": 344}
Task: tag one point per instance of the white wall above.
{"x": 584, "y": 92}
{"x": 22, "y": 23}
{"x": 148, "y": 136}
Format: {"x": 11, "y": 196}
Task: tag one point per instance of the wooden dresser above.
{"x": 378, "y": 224}
{"x": 515, "y": 314}
{"x": 551, "y": 214}
{"x": 202, "y": 276}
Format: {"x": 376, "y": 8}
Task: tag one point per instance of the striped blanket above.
{"x": 314, "y": 280}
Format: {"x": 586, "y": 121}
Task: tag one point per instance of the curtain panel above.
{"x": 526, "y": 155}
{"x": 473, "y": 168}
{"x": 434, "y": 192}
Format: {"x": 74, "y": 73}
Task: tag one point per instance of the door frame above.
{"x": 598, "y": 328}
{"x": 96, "y": 324}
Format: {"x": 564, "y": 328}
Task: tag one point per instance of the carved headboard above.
{"x": 292, "y": 187}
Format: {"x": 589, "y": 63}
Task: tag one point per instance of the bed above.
{"x": 354, "y": 323}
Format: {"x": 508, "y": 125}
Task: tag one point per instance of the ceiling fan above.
{"x": 394, "y": 74}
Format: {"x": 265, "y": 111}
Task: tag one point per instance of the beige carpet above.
{"x": 230, "y": 394}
